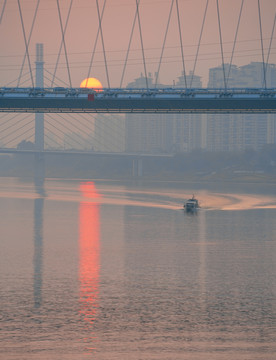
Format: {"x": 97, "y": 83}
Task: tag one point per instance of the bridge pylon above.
{"x": 39, "y": 82}
{"x": 137, "y": 167}
{"x": 39, "y": 117}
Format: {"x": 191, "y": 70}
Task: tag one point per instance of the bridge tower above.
{"x": 39, "y": 82}
{"x": 39, "y": 119}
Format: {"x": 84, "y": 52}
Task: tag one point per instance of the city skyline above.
{"x": 166, "y": 133}
{"x": 117, "y": 22}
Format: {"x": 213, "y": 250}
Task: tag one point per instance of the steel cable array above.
{"x": 79, "y": 124}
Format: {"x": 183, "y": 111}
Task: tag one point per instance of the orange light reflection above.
{"x": 89, "y": 247}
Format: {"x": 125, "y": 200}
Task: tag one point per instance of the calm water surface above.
{"x": 110, "y": 271}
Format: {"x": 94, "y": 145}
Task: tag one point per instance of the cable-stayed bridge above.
{"x": 120, "y": 41}
{"x": 74, "y": 100}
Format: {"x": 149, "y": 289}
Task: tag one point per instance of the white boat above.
{"x": 191, "y": 205}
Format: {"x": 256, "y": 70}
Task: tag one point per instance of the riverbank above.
{"x": 215, "y": 177}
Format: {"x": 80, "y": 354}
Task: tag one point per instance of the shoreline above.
{"x": 167, "y": 177}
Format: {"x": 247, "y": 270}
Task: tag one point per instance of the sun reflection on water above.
{"x": 89, "y": 251}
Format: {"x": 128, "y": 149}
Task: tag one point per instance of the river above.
{"x": 110, "y": 270}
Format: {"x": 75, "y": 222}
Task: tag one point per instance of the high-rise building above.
{"x": 164, "y": 133}
{"x": 189, "y": 81}
{"x": 148, "y": 133}
{"x": 247, "y": 76}
{"x": 109, "y": 133}
{"x": 238, "y": 132}
{"x": 187, "y": 128}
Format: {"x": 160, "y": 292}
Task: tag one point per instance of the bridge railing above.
{"x": 141, "y": 92}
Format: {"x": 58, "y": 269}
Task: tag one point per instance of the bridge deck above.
{"x": 85, "y": 153}
{"x": 60, "y": 100}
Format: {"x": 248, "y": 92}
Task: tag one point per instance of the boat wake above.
{"x": 239, "y": 202}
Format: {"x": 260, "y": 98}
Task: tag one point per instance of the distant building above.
{"x": 187, "y": 128}
{"x": 163, "y": 133}
{"x": 247, "y": 76}
{"x": 109, "y": 133}
{"x": 142, "y": 82}
{"x": 189, "y": 81}
{"x": 216, "y": 77}
{"x": 238, "y": 132}
{"x": 147, "y": 133}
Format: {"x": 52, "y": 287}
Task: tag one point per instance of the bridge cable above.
{"x": 50, "y": 73}
{"x": 2, "y": 116}
{"x": 270, "y": 43}
{"x": 3, "y": 9}
{"x": 73, "y": 125}
{"x": 79, "y": 135}
{"x": 20, "y": 135}
{"x": 14, "y": 124}
{"x": 235, "y": 41}
{"x": 47, "y": 80}
{"x": 25, "y": 40}
{"x": 112, "y": 129}
{"x": 31, "y": 121}
{"x": 64, "y": 44}
{"x": 262, "y": 46}
{"x": 22, "y": 82}
{"x": 69, "y": 135}
{"x": 60, "y": 48}
{"x": 97, "y": 124}
{"x": 30, "y": 35}
{"x": 141, "y": 39}
{"x": 54, "y": 133}
{"x": 101, "y": 136}
{"x": 181, "y": 43}
{"x": 129, "y": 44}
{"x": 164, "y": 42}
{"x": 104, "y": 54}
{"x": 82, "y": 132}
{"x": 15, "y": 80}
{"x": 18, "y": 129}
{"x": 5, "y": 114}
{"x": 221, "y": 46}
{"x": 199, "y": 41}
{"x": 94, "y": 49}
{"x": 52, "y": 138}
{"x": 81, "y": 117}
{"x": 8, "y": 120}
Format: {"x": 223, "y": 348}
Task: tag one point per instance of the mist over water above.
{"x": 106, "y": 270}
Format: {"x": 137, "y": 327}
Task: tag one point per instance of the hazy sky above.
{"x": 117, "y": 23}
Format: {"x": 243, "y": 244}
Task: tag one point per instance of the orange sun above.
{"x": 91, "y": 83}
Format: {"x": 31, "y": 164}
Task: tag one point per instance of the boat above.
{"x": 191, "y": 205}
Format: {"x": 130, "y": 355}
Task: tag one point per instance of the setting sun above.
{"x": 91, "y": 83}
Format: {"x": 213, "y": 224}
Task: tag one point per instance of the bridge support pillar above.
{"x": 39, "y": 131}
{"x": 39, "y": 118}
{"x": 39, "y": 167}
{"x": 39, "y": 82}
{"x": 137, "y": 167}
